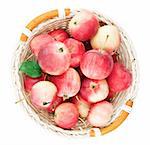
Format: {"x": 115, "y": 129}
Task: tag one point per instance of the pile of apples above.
{"x": 80, "y": 78}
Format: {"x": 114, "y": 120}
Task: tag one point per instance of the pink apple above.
{"x": 96, "y": 65}
{"x": 84, "y": 25}
{"x": 59, "y": 35}
{"x": 43, "y": 94}
{"x": 55, "y": 58}
{"x": 39, "y": 42}
{"x": 57, "y": 101}
{"x": 100, "y": 114}
{"x": 82, "y": 105}
{"x": 68, "y": 84}
{"x": 29, "y": 82}
{"x": 94, "y": 90}
{"x": 66, "y": 115}
{"x": 120, "y": 78}
{"x": 107, "y": 38}
{"x": 76, "y": 49}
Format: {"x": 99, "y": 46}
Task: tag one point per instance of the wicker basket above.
{"x": 122, "y": 102}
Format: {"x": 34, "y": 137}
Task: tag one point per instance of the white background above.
{"x": 16, "y": 128}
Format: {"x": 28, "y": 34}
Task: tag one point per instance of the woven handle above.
{"x": 36, "y": 21}
{"x": 124, "y": 114}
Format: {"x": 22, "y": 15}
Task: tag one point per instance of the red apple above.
{"x": 76, "y": 49}
{"x": 82, "y": 105}
{"x": 59, "y": 35}
{"x": 40, "y": 41}
{"x": 84, "y": 25}
{"x": 66, "y": 115}
{"x": 94, "y": 90}
{"x": 68, "y": 84}
{"x": 57, "y": 101}
{"x": 96, "y": 65}
{"x": 120, "y": 78}
{"x": 100, "y": 114}
{"x": 29, "y": 82}
{"x": 55, "y": 58}
{"x": 43, "y": 94}
{"x": 107, "y": 38}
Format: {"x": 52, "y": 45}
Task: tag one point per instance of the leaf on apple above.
{"x": 31, "y": 69}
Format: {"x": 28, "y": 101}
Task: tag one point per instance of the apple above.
{"x": 38, "y": 42}
{"x": 120, "y": 78}
{"x": 59, "y": 35}
{"x": 43, "y": 94}
{"x": 100, "y": 114}
{"x": 57, "y": 101}
{"x": 82, "y": 105}
{"x": 29, "y": 82}
{"x": 68, "y": 84}
{"x": 55, "y": 58}
{"x": 84, "y": 25}
{"x": 107, "y": 38}
{"x": 76, "y": 49}
{"x": 94, "y": 90}
{"x": 96, "y": 65}
{"x": 66, "y": 115}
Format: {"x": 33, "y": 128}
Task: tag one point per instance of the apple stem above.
{"x": 105, "y": 41}
{"x": 65, "y": 97}
{"x": 93, "y": 86}
{"x": 75, "y": 23}
{"x": 45, "y": 103}
{"x": 61, "y": 49}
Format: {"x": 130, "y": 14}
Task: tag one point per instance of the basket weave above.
{"x": 59, "y": 19}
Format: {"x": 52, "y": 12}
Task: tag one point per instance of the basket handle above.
{"x": 124, "y": 114}
{"x": 41, "y": 18}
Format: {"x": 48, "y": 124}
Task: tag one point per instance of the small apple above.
{"x": 120, "y": 78}
{"x": 84, "y": 25}
{"x": 66, "y": 115}
{"x": 43, "y": 94}
{"x": 55, "y": 58}
{"x": 76, "y": 49}
{"x": 100, "y": 114}
{"x": 107, "y": 38}
{"x": 59, "y": 35}
{"x": 68, "y": 84}
{"x": 82, "y": 105}
{"x": 96, "y": 65}
{"x": 38, "y": 42}
{"x": 94, "y": 90}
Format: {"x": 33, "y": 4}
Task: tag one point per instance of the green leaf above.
{"x": 31, "y": 68}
